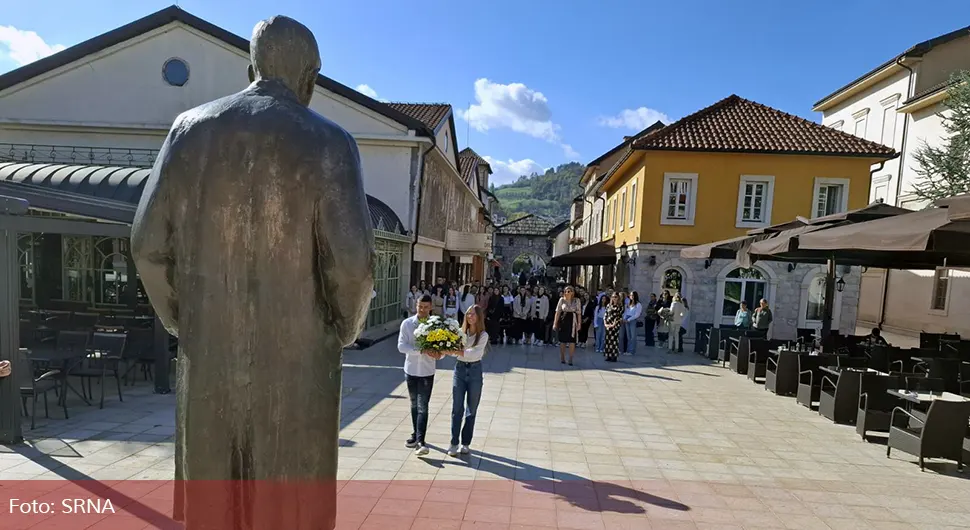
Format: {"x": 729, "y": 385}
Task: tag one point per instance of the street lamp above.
{"x": 625, "y": 255}
{"x": 840, "y": 285}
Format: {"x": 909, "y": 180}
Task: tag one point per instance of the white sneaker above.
{"x": 421, "y": 450}
{"x": 463, "y": 449}
{"x": 453, "y": 450}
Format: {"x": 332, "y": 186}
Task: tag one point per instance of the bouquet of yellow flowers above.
{"x": 440, "y": 335}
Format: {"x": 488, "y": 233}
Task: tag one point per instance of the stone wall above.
{"x": 506, "y": 253}
{"x": 786, "y": 291}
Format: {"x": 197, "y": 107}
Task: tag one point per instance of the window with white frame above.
{"x": 831, "y": 196}
{"x": 860, "y": 118}
{"x": 880, "y": 188}
{"x": 679, "y": 199}
{"x": 888, "y": 126}
{"x": 606, "y": 219}
{"x": 754, "y": 200}
{"x": 941, "y": 290}
{"x": 622, "y": 209}
{"x": 633, "y": 202}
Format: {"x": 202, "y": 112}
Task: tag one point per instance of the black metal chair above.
{"x": 941, "y": 434}
{"x": 875, "y": 404}
{"x": 805, "y": 335}
{"x": 139, "y": 354}
{"x": 781, "y": 374}
{"x": 104, "y": 357}
{"x": 839, "y": 398}
{"x": 32, "y": 386}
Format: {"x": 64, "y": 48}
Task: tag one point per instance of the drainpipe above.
{"x": 899, "y": 184}
{"x": 417, "y": 208}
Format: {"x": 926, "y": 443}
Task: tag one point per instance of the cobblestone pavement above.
{"x": 653, "y": 441}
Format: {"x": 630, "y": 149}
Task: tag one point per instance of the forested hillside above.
{"x": 548, "y": 194}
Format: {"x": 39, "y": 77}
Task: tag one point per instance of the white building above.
{"x": 899, "y": 104}
{"x": 110, "y": 101}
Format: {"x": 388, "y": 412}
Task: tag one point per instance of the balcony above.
{"x": 77, "y": 155}
{"x": 471, "y": 242}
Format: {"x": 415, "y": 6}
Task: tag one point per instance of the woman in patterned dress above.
{"x": 613, "y": 321}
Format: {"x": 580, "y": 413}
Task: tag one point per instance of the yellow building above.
{"x": 715, "y": 174}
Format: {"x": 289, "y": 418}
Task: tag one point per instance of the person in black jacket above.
{"x": 494, "y": 313}
{"x": 589, "y": 311}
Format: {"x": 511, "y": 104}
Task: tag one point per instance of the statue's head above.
{"x": 285, "y": 50}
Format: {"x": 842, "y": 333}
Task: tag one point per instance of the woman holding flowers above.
{"x": 467, "y": 382}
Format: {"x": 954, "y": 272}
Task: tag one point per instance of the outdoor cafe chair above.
{"x": 810, "y": 379}
{"x": 738, "y": 360}
{"x": 781, "y": 373}
{"x": 940, "y": 435}
{"x": 838, "y": 397}
{"x": 875, "y": 404}
{"x": 758, "y": 356}
{"x": 932, "y": 340}
{"x": 84, "y": 321}
{"x": 924, "y": 384}
{"x": 103, "y": 358}
{"x": 32, "y": 386}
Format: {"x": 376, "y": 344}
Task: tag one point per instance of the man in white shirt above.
{"x": 419, "y": 368}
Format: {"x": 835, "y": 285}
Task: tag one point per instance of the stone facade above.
{"x": 446, "y": 203}
{"x": 528, "y": 236}
{"x": 786, "y": 292}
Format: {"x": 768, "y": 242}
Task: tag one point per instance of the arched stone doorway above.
{"x": 736, "y": 284}
{"x": 674, "y": 276}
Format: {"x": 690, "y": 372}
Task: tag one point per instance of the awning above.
{"x": 602, "y": 253}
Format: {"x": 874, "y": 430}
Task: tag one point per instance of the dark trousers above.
{"x": 461, "y": 318}
{"x": 419, "y": 388}
{"x": 648, "y": 325}
{"x": 680, "y": 343}
{"x": 467, "y": 384}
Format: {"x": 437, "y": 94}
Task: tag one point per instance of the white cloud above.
{"x": 570, "y": 153}
{"x": 634, "y": 119}
{"x": 367, "y": 91}
{"x": 510, "y": 171}
{"x": 513, "y": 106}
{"x": 24, "y": 46}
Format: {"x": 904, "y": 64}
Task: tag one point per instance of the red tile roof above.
{"x": 468, "y": 161}
{"x": 430, "y": 114}
{"x": 737, "y": 125}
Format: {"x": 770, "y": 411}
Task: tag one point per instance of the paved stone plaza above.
{"x": 654, "y": 441}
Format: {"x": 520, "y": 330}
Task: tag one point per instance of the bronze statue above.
{"x": 254, "y": 243}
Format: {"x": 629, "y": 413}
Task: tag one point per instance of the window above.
{"x": 880, "y": 188}
{"x": 613, "y": 217}
{"x": 633, "y": 202}
{"x": 941, "y": 289}
{"x": 175, "y": 72}
{"x": 838, "y": 125}
{"x": 888, "y": 126}
{"x": 831, "y": 196}
{"x": 861, "y": 117}
{"x": 742, "y": 285}
{"x": 622, "y": 209}
{"x": 679, "y": 199}
{"x": 673, "y": 280}
{"x": 754, "y": 201}
{"x": 815, "y": 308}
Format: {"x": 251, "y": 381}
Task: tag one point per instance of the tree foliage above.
{"x": 549, "y": 194}
{"x": 945, "y": 170}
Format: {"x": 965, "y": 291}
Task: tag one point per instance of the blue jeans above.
{"x": 467, "y": 383}
{"x": 631, "y": 336}
{"x": 600, "y": 337}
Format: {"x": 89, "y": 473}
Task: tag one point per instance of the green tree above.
{"x": 945, "y": 170}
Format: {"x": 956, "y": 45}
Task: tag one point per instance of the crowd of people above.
{"x": 526, "y": 312}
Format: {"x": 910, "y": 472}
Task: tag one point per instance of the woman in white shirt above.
{"x": 684, "y": 326}
{"x": 465, "y": 301}
{"x": 540, "y": 312}
{"x": 631, "y": 314}
{"x": 678, "y": 312}
{"x": 467, "y": 384}
{"x": 521, "y": 309}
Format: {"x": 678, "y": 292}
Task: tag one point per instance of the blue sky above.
{"x": 538, "y": 83}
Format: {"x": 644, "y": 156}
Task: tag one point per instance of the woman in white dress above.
{"x": 467, "y": 382}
